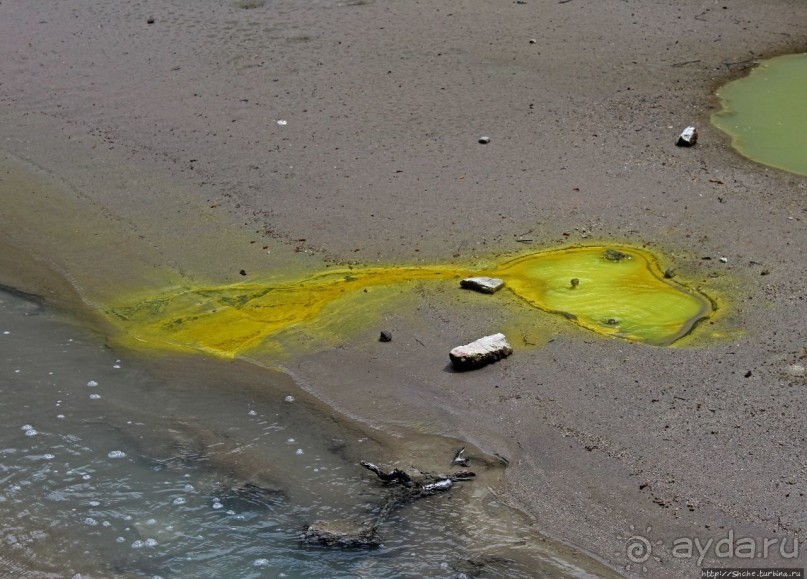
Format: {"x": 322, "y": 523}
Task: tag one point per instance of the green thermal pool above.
{"x": 765, "y": 113}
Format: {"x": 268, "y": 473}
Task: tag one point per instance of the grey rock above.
{"x": 484, "y": 140}
{"x": 486, "y": 285}
{"x": 688, "y": 137}
{"x": 385, "y": 336}
{"x": 343, "y": 533}
{"x": 480, "y": 352}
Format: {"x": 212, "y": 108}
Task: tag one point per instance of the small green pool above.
{"x": 765, "y": 113}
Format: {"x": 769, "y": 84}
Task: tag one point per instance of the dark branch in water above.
{"x": 391, "y": 476}
{"x": 405, "y": 489}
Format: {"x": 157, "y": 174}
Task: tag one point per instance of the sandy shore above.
{"x": 165, "y": 142}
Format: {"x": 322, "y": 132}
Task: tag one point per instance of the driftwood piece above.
{"x": 395, "y": 475}
{"x": 405, "y": 489}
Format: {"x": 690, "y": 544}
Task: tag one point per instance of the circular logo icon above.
{"x": 638, "y": 549}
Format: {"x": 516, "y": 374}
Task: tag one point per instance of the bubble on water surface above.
{"x": 116, "y": 454}
{"x": 260, "y": 563}
{"x": 31, "y": 432}
{"x": 179, "y": 501}
{"x": 289, "y": 398}
{"x": 299, "y": 451}
{"x": 150, "y": 543}
{"x": 217, "y": 505}
{"x": 90, "y": 521}
{"x": 95, "y": 396}
{"x": 92, "y": 383}
{"x": 137, "y": 544}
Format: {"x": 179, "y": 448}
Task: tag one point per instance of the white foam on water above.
{"x": 116, "y": 454}
{"x": 92, "y": 383}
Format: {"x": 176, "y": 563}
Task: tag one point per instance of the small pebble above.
{"x": 385, "y": 336}
{"x": 150, "y": 20}
{"x": 282, "y": 123}
{"x": 289, "y": 398}
{"x": 484, "y": 140}
{"x": 532, "y": 41}
{"x": 724, "y": 260}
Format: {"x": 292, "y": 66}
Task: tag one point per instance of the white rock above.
{"x": 480, "y": 352}
{"x": 486, "y": 285}
{"x": 688, "y": 138}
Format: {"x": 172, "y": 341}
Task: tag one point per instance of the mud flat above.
{"x": 277, "y": 140}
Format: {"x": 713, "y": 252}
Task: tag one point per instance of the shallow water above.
{"x": 765, "y": 113}
{"x": 193, "y": 467}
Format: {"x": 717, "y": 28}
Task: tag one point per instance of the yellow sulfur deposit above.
{"x": 619, "y": 292}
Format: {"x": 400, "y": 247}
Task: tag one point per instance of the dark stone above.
{"x": 615, "y": 255}
{"x": 385, "y": 336}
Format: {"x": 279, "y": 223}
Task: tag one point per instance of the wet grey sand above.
{"x": 164, "y": 158}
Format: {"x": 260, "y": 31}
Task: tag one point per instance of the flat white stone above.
{"x": 480, "y": 352}
{"x": 486, "y": 285}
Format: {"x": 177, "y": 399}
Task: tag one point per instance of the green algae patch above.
{"x": 616, "y": 292}
{"x": 765, "y": 113}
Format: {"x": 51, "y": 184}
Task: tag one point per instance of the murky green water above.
{"x": 112, "y": 466}
{"x": 766, "y": 113}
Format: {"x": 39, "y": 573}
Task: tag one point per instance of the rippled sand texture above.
{"x": 618, "y": 293}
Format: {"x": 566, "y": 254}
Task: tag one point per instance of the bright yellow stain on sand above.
{"x": 620, "y": 292}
